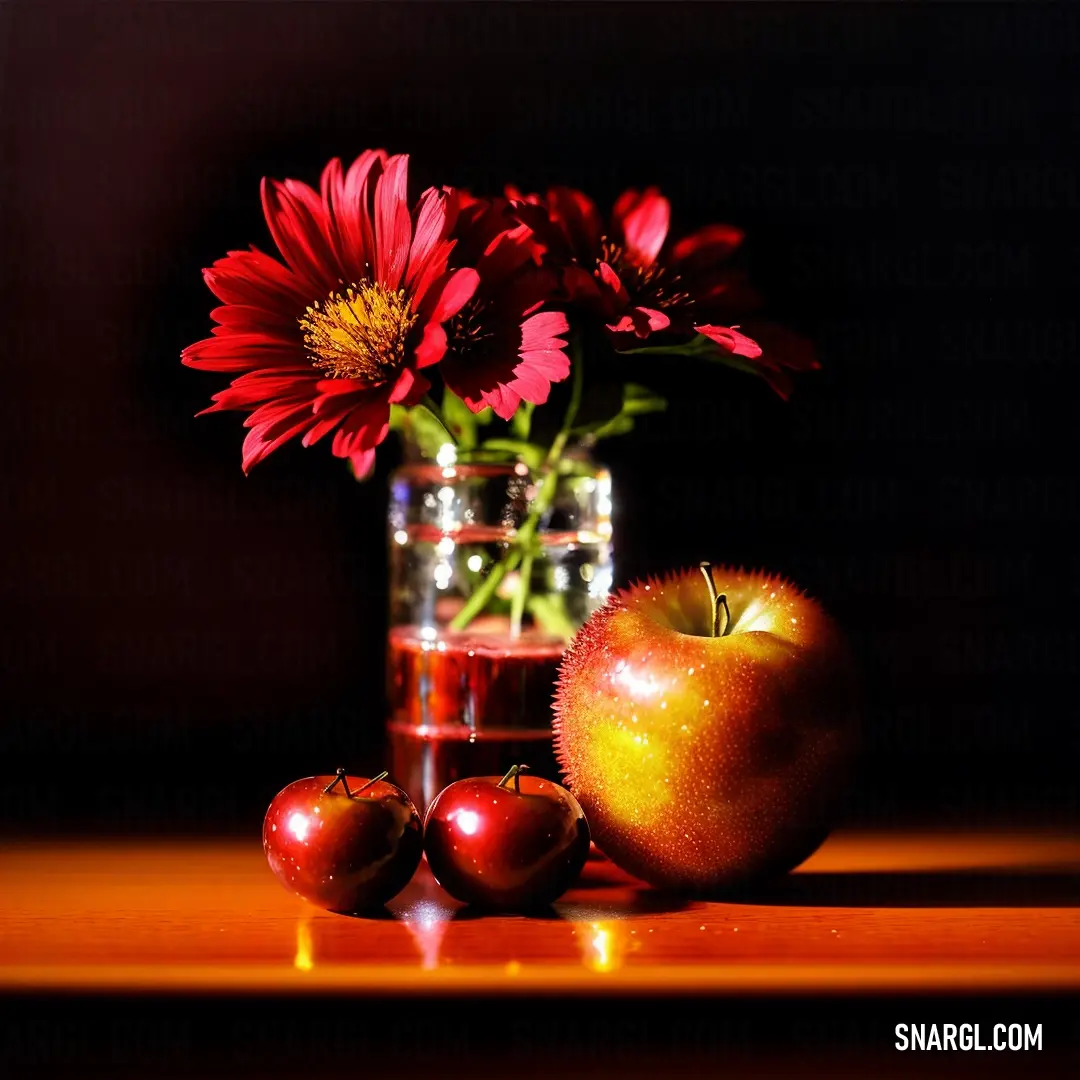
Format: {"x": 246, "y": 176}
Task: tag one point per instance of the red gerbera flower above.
{"x": 503, "y": 349}
{"x": 329, "y": 340}
{"x": 637, "y": 280}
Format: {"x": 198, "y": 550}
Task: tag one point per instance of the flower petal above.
{"x": 315, "y": 206}
{"x": 784, "y": 347}
{"x": 264, "y": 385}
{"x": 581, "y": 287}
{"x": 329, "y": 412}
{"x": 432, "y": 273}
{"x": 353, "y": 213}
{"x": 277, "y": 408}
{"x": 448, "y": 296}
{"x": 782, "y": 350}
{"x": 365, "y": 426}
{"x": 531, "y": 384}
{"x": 543, "y": 331}
{"x": 642, "y": 321}
{"x": 506, "y": 252}
{"x": 503, "y": 401}
{"x": 506, "y": 372}
{"x": 612, "y": 289}
{"x": 298, "y": 226}
{"x": 245, "y": 319}
{"x": 432, "y": 347}
{"x": 240, "y": 352}
{"x": 430, "y": 231}
{"x": 255, "y": 279}
{"x": 393, "y": 224}
{"x": 707, "y": 246}
{"x": 276, "y": 427}
{"x": 729, "y": 338}
{"x": 643, "y": 220}
{"x": 409, "y": 388}
{"x": 577, "y": 217}
{"x": 362, "y": 463}
{"x": 332, "y": 184}
{"x": 348, "y": 252}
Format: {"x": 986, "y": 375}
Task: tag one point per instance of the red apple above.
{"x": 517, "y": 843}
{"x": 342, "y": 842}
{"x": 705, "y": 721}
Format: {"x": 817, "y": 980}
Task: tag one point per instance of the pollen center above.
{"x": 359, "y": 333}
{"x": 652, "y": 285}
{"x": 467, "y": 330}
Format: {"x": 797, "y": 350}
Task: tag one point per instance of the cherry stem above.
{"x": 374, "y": 780}
{"x": 717, "y": 601}
{"x": 340, "y": 779}
{"x": 514, "y": 774}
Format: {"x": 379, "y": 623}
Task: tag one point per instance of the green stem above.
{"x": 479, "y": 599}
{"x": 432, "y": 407}
{"x": 510, "y": 562}
{"x": 541, "y": 503}
{"x": 521, "y": 595}
{"x": 578, "y": 375}
{"x": 546, "y": 495}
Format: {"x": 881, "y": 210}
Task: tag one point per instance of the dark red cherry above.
{"x": 514, "y": 844}
{"x": 342, "y": 842}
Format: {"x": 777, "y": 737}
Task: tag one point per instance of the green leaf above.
{"x": 707, "y": 349}
{"x": 531, "y": 454}
{"x": 699, "y": 345}
{"x": 600, "y": 401}
{"x": 460, "y": 419}
{"x": 521, "y": 421}
{"x": 637, "y": 400}
{"x": 419, "y": 427}
{"x": 569, "y": 465}
{"x": 700, "y": 348}
{"x": 617, "y": 425}
{"x": 738, "y": 363}
{"x": 550, "y": 612}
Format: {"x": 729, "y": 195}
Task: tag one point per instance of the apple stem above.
{"x": 718, "y": 601}
{"x": 514, "y": 774}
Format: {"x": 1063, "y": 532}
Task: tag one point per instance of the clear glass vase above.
{"x": 493, "y": 568}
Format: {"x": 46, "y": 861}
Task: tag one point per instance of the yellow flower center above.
{"x": 359, "y": 333}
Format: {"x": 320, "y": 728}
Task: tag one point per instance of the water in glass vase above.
{"x": 479, "y": 619}
{"x": 469, "y": 704}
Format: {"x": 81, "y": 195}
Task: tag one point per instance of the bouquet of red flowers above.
{"x": 450, "y": 320}
{"x": 374, "y": 299}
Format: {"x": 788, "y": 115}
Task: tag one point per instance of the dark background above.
{"x": 178, "y": 642}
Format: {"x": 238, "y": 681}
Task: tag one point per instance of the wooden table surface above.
{"x": 869, "y": 912}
